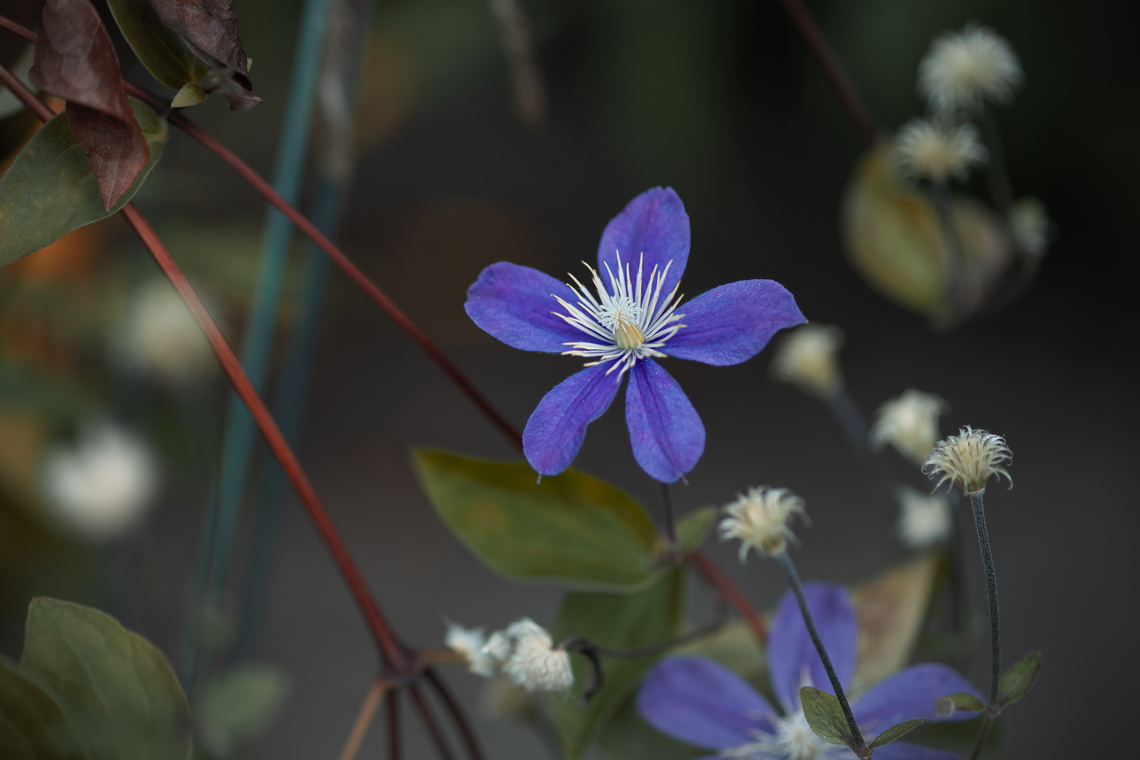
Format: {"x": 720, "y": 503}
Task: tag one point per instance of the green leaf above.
{"x": 895, "y": 732}
{"x": 1019, "y": 679}
{"x": 825, "y": 717}
{"x": 238, "y": 704}
{"x": 190, "y": 94}
{"x": 32, "y": 727}
{"x": 49, "y": 190}
{"x": 693, "y": 529}
{"x": 115, "y": 687}
{"x": 962, "y": 700}
{"x": 618, "y": 621}
{"x": 159, "y": 47}
{"x": 569, "y": 528}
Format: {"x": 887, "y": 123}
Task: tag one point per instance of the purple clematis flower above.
{"x": 629, "y": 321}
{"x": 705, "y": 704}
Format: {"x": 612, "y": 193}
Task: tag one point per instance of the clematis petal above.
{"x": 667, "y": 434}
{"x": 655, "y": 224}
{"x": 516, "y": 305}
{"x": 733, "y": 323}
{"x": 703, "y": 703}
{"x": 790, "y": 649}
{"x": 908, "y": 751}
{"x": 910, "y": 694}
{"x": 556, "y": 427}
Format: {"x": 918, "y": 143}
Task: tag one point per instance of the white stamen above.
{"x": 626, "y": 325}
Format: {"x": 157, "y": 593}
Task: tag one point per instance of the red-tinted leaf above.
{"x": 210, "y": 29}
{"x": 76, "y": 61}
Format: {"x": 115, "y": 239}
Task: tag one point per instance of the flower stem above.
{"x": 430, "y": 723}
{"x": 732, "y": 593}
{"x": 956, "y": 266}
{"x": 457, "y": 716}
{"x": 380, "y": 688}
{"x": 854, "y": 424}
{"x": 987, "y": 723}
{"x": 1001, "y": 192}
{"x": 991, "y": 590}
{"x": 794, "y": 581}
{"x": 832, "y": 71}
{"x": 670, "y": 524}
{"x": 393, "y": 727}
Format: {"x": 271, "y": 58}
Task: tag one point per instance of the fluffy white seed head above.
{"x": 808, "y": 357}
{"x": 909, "y": 423}
{"x": 1030, "y": 225}
{"x": 969, "y": 459}
{"x": 101, "y": 486}
{"x": 937, "y": 150}
{"x": 760, "y": 519}
{"x": 962, "y": 69}
{"x": 925, "y": 520}
{"x": 469, "y": 644}
{"x": 534, "y": 664}
{"x": 159, "y": 337}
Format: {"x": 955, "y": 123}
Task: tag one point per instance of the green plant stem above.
{"x": 1001, "y": 189}
{"x": 956, "y": 266}
{"x": 987, "y": 724}
{"x": 238, "y": 442}
{"x": 854, "y": 425}
{"x": 785, "y": 562}
{"x": 991, "y": 590}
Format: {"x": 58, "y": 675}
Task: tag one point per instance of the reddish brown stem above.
{"x": 23, "y": 31}
{"x": 833, "y": 71}
{"x": 430, "y": 722}
{"x": 457, "y": 715}
{"x": 731, "y": 592}
{"x": 393, "y": 727}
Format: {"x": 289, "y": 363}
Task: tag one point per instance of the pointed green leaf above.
{"x": 115, "y": 687}
{"x": 1019, "y": 679}
{"x": 158, "y": 46}
{"x": 895, "y": 732}
{"x": 825, "y": 717}
{"x": 238, "y": 704}
{"x": 32, "y": 726}
{"x": 49, "y": 190}
{"x": 693, "y": 529}
{"x": 569, "y": 528}
{"x": 190, "y": 94}
{"x": 619, "y": 621}
{"x": 962, "y": 700}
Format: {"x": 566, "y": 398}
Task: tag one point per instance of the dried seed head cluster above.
{"x": 937, "y": 150}
{"x": 808, "y": 358}
{"x": 969, "y": 459}
{"x": 760, "y": 519}
{"x": 962, "y": 69}
{"x": 523, "y": 652}
{"x": 909, "y": 423}
{"x": 924, "y": 519}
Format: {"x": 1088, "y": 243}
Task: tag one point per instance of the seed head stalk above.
{"x": 991, "y": 589}
{"x": 794, "y": 581}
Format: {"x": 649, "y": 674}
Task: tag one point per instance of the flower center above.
{"x": 625, "y": 321}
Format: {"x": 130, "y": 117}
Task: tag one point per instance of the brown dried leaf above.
{"x": 210, "y": 30}
{"x": 76, "y": 61}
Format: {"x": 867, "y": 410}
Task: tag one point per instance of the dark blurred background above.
{"x": 720, "y": 100}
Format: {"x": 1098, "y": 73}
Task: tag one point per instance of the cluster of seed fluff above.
{"x": 962, "y": 69}
{"x": 925, "y": 520}
{"x": 760, "y": 519}
{"x": 969, "y": 459}
{"x": 523, "y": 652}
{"x": 808, "y": 357}
{"x": 937, "y": 150}
{"x": 909, "y": 423}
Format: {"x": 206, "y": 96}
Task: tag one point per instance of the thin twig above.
{"x": 719, "y": 579}
{"x": 393, "y": 727}
{"x": 380, "y": 688}
{"x": 457, "y": 716}
{"x": 430, "y": 723}
{"x": 18, "y": 29}
{"x": 833, "y": 71}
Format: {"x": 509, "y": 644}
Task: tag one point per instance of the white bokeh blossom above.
{"x": 159, "y": 337}
{"x": 963, "y": 69}
{"x": 100, "y": 486}
{"x": 808, "y": 357}
{"x": 909, "y": 423}
{"x": 925, "y": 520}
{"x": 937, "y": 150}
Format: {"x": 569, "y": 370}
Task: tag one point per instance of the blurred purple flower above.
{"x": 629, "y": 321}
{"x": 707, "y": 705}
